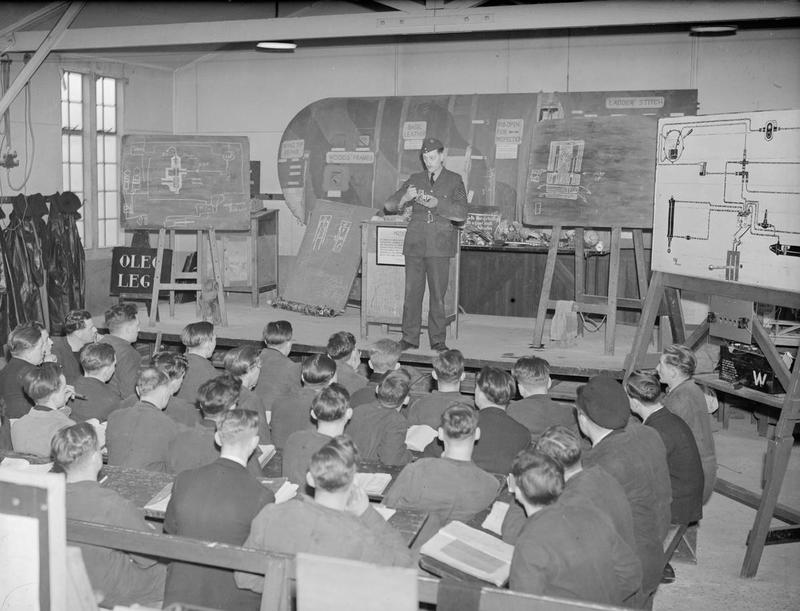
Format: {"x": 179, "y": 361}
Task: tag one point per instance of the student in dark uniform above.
{"x": 29, "y": 344}
{"x": 243, "y": 363}
{"x": 80, "y": 330}
{"x": 200, "y": 341}
{"x": 175, "y": 366}
{"x": 384, "y": 357}
{"x": 448, "y": 371}
{"x": 279, "y": 374}
{"x": 568, "y": 551}
{"x": 342, "y": 349}
{"x": 122, "y": 321}
{"x": 434, "y": 200}
{"x": 94, "y": 397}
{"x": 217, "y": 502}
{"x": 119, "y": 577}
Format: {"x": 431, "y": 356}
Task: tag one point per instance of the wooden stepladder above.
{"x": 197, "y": 279}
{"x": 664, "y": 287}
{"x": 593, "y": 304}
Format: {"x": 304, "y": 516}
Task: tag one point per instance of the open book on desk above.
{"x": 465, "y": 552}
{"x": 374, "y": 484}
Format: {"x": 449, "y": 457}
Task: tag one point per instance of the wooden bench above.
{"x": 282, "y": 566}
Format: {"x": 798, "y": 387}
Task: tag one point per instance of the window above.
{"x": 90, "y": 154}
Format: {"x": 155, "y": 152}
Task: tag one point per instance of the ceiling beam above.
{"x": 52, "y": 38}
{"x": 406, "y": 6}
{"x": 573, "y": 15}
{"x": 457, "y": 5}
{"x": 31, "y": 18}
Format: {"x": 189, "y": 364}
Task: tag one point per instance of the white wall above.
{"x": 257, "y": 94}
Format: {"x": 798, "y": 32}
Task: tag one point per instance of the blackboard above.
{"x": 133, "y": 269}
{"x": 185, "y": 182}
{"x": 592, "y": 172}
{"x": 329, "y": 255}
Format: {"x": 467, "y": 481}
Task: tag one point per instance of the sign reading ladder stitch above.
{"x": 185, "y": 182}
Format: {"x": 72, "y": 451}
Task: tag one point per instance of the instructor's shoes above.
{"x": 404, "y": 345}
{"x": 668, "y": 576}
{"x": 439, "y": 347}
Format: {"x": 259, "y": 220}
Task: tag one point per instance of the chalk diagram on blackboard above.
{"x": 339, "y": 238}
{"x": 185, "y": 182}
{"x": 727, "y": 198}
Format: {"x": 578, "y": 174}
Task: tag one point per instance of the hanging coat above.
{"x": 25, "y": 265}
{"x": 64, "y": 260}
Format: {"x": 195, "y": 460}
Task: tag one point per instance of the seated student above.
{"x": 122, "y": 321}
{"x": 448, "y": 371}
{"x": 377, "y": 428}
{"x": 683, "y": 458}
{"x": 79, "y": 330}
{"x": 120, "y": 578}
{"x": 537, "y": 410}
{"x": 330, "y": 409}
{"x": 292, "y": 411}
{"x": 196, "y": 446}
{"x": 337, "y": 522}
{"x": 29, "y": 343}
{"x": 47, "y": 386}
{"x": 279, "y": 374}
{"x": 217, "y": 502}
{"x": 686, "y": 399}
{"x": 582, "y": 486}
{"x": 342, "y": 349}
{"x": 175, "y": 366}
{"x": 384, "y": 357}
{"x": 571, "y": 550}
{"x": 139, "y": 436}
{"x": 603, "y": 412}
{"x": 244, "y": 364}
{"x": 94, "y": 397}
{"x": 451, "y": 487}
{"x": 200, "y": 341}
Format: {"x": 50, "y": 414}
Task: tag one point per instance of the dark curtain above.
{"x": 64, "y": 260}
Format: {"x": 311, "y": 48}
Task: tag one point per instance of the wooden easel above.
{"x": 780, "y": 445}
{"x": 592, "y": 304}
{"x": 197, "y": 276}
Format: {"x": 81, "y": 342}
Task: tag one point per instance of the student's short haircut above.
{"x": 173, "y": 364}
{"x": 317, "y": 369}
{"x": 681, "y": 357}
{"x": 331, "y": 403}
{"x": 119, "y": 315}
{"x": 238, "y": 361}
{"x": 218, "y": 395}
{"x": 42, "y": 381}
{"x": 237, "y": 424}
{"x": 539, "y": 477}
{"x": 71, "y": 444}
{"x": 334, "y": 465}
{"x": 449, "y": 365}
{"x": 561, "y": 444}
{"x": 497, "y": 385}
{"x": 96, "y": 355}
{"x": 644, "y": 386}
{"x": 394, "y": 388}
{"x": 25, "y": 336}
{"x": 196, "y": 333}
{"x": 531, "y": 371}
{"x": 341, "y": 345}
{"x": 459, "y": 421}
{"x": 149, "y": 379}
{"x": 384, "y": 354}
{"x": 75, "y": 320}
{"x": 277, "y": 332}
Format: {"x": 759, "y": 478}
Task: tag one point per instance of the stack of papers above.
{"x": 419, "y": 436}
{"x": 373, "y": 484}
{"x": 471, "y": 551}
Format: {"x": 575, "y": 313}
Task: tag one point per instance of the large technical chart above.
{"x": 727, "y": 198}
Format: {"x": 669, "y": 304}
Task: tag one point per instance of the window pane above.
{"x": 98, "y": 91}
{"x": 64, "y": 148}
{"x": 100, "y": 202}
{"x": 110, "y": 93}
{"x": 99, "y": 119}
{"x": 75, "y": 116}
{"x": 111, "y": 233}
{"x": 75, "y": 149}
{"x": 76, "y": 177}
{"x": 100, "y": 149}
{"x": 110, "y": 122}
{"x": 65, "y": 177}
{"x": 112, "y": 210}
{"x": 64, "y": 114}
{"x": 110, "y": 149}
{"x": 75, "y": 87}
{"x": 79, "y": 224}
{"x": 111, "y": 176}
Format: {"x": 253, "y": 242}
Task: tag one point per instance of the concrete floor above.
{"x": 713, "y": 584}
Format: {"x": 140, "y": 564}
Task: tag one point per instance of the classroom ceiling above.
{"x": 171, "y": 34}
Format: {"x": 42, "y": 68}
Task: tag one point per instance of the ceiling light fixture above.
{"x": 713, "y": 30}
{"x": 277, "y": 45}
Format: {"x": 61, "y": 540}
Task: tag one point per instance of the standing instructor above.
{"x": 433, "y": 201}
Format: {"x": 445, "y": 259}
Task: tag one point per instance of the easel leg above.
{"x": 613, "y": 287}
{"x": 580, "y": 273}
{"x": 641, "y": 341}
{"x": 157, "y": 276}
{"x": 217, "y": 270}
{"x": 172, "y": 274}
{"x": 544, "y": 296}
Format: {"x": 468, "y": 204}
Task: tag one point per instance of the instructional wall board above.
{"x": 185, "y": 182}
{"x": 727, "y": 198}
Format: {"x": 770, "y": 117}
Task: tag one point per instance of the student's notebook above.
{"x": 373, "y": 484}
